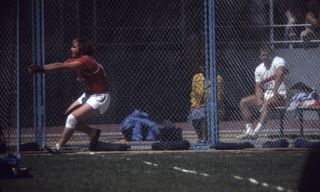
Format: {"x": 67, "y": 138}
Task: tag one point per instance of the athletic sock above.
{"x": 257, "y": 129}
{"x": 248, "y": 128}
{"x": 58, "y": 146}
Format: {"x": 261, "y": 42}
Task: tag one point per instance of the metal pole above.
{"x": 38, "y": 59}
{"x": 38, "y": 76}
{"x": 34, "y": 61}
{"x": 18, "y": 98}
{"x": 210, "y": 80}
{"x": 43, "y": 80}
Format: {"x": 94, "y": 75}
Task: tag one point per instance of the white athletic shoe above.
{"x": 247, "y": 133}
{"x": 255, "y": 133}
{"x": 253, "y": 136}
{"x": 54, "y": 151}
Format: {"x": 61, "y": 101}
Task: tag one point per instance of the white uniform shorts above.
{"x": 99, "y": 101}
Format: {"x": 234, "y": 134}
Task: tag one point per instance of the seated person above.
{"x": 312, "y": 31}
{"x": 198, "y": 108}
{"x": 270, "y": 92}
{"x": 290, "y": 30}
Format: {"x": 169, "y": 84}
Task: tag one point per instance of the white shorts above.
{"x": 99, "y": 101}
{"x": 268, "y": 96}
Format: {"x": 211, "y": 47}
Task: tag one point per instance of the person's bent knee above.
{"x": 274, "y": 102}
{"x": 71, "y": 122}
{"x": 243, "y": 102}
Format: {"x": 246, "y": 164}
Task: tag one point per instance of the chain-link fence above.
{"x": 156, "y": 55}
{"x": 16, "y": 53}
{"x": 8, "y": 75}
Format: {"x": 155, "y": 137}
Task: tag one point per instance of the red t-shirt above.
{"x": 92, "y": 75}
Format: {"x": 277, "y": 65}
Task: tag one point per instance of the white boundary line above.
{"x": 177, "y": 169}
{"x": 263, "y": 184}
{"x": 190, "y": 171}
{"x": 250, "y": 180}
{"x": 152, "y": 164}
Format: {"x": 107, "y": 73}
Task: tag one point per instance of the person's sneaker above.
{"x": 247, "y": 134}
{"x": 94, "y": 140}
{"x": 255, "y": 132}
{"x": 253, "y": 136}
{"x": 250, "y": 135}
{"x": 51, "y": 151}
{"x": 244, "y": 136}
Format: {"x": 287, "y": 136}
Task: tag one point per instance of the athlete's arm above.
{"x": 259, "y": 92}
{"x": 62, "y": 66}
{"x": 280, "y": 74}
{"x": 55, "y": 67}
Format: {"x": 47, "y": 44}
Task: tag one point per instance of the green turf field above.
{"x": 162, "y": 171}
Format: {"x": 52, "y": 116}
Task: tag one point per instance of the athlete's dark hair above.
{"x": 266, "y": 47}
{"x": 85, "y": 46}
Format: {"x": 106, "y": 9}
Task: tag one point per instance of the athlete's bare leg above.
{"x": 81, "y": 126}
{"x": 245, "y": 104}
{"x": 82, "y": 113}
{"x": 84, "y": 128}
{"x": 269, "y": 105}
{"x": 75, "y": 105}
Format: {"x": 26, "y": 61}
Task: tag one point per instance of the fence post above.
{"x": 18, "y": 77}
{"x": 210, "y": 64}
{"x": 38, "y": 79}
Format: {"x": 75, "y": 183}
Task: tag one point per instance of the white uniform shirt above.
{"x": 267, "y": 77}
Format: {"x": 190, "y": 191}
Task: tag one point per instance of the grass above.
{"x": 262, "y": 170}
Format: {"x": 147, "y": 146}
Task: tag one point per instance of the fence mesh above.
{"x": 154, "y": 56}
{"x": 8, "y": 77}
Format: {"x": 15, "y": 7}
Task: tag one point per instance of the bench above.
{"x": 300, "y": 111}
{"x": 303, "y": 66}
